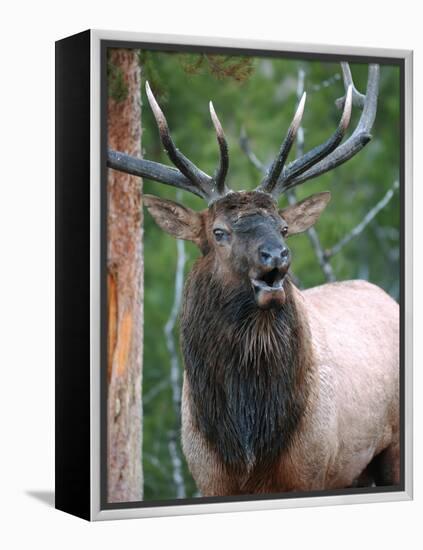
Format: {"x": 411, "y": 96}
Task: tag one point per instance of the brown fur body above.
{"x": 283, "y": 390}
{"x": 342, "y": 407}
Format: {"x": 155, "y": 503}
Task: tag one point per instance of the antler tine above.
{"x": 358, "y": 139}
{"x": 357, "y": 98}
{"x": 151, "y": 170}
{"x": 321, "y": 151}
{"x": 223, "y": 148}
{"x": 186, "y": 175}
{"x": 188, "y": 168}
{"x": 270, "y": 180}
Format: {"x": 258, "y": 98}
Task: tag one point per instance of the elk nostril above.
{"x": 265, "y": 257}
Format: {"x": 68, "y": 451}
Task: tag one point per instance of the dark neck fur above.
{"x": 246, "y": 368}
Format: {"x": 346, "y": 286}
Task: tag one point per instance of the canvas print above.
{"x": 252, "y": 275}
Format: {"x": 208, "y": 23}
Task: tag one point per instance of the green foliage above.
{"x": 219, "y": 66}
{"x": 258, "y": 94}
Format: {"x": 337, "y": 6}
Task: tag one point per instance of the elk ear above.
{"x": 304, "y": 214}
{"x": 175, "y": 219}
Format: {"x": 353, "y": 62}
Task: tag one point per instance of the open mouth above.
{"x": 269, "y": 282}
{"x": 268, "y": 289}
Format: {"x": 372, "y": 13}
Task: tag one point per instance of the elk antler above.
{"x": 331, "y": 154}
{"x": 224, "y": 156}
{"x": 187, "y": 176}
{"x": 279, "y": 178}
{"x": 271, "y": 178}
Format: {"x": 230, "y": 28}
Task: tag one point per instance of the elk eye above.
{"x": 219, "y": 234}
{"x": 284, "y": 230}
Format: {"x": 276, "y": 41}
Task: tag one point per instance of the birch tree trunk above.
{"x": 125, "y": 284}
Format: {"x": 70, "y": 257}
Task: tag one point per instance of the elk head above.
{"x": 245, "y": 232}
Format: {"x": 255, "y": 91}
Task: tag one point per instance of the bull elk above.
{"x": 284, "y": 390}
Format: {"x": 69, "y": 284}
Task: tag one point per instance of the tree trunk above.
{"x": 125, "y": 284}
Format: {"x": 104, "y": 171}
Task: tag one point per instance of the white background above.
{"x": 28, "y": 32}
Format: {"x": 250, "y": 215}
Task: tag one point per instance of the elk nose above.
{"x": 273, "y": 256}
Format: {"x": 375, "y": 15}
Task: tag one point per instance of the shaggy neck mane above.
{"x": 246, "y": 368}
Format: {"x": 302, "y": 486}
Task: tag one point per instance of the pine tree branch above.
{"x": 312, "y": 234}
{"x": 371, "y": 214}
{"x": 244, "y": 143}
{"x": 155, "y": 390}
{"x": 174, "y": 364}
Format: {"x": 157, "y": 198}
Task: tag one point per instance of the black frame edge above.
{"x": 72, "y": 361}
